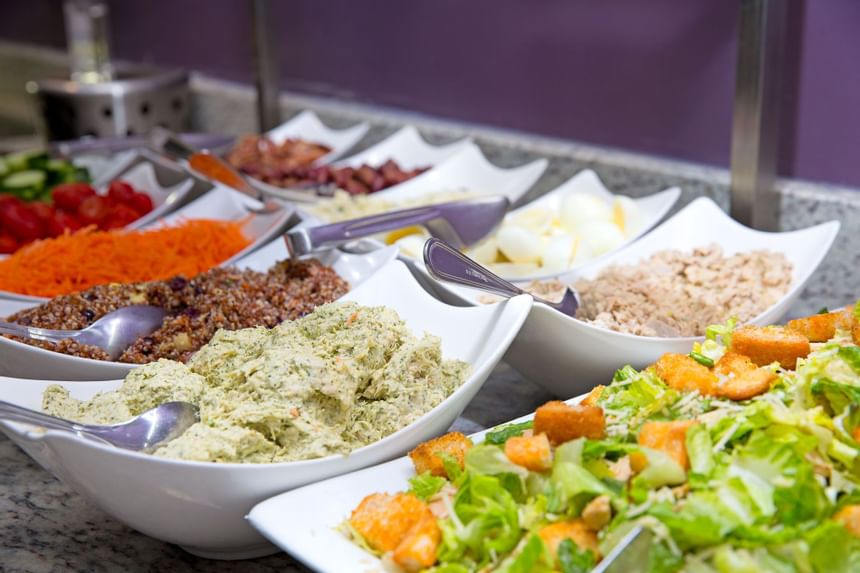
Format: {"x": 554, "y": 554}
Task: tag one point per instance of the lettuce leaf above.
{"x": 426, "y": 485}
{"x": 573, "y": 559}
{"x": 500, "y": 435}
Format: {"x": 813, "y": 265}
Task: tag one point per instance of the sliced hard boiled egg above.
{"x": 519, "y": 245}
{"x": 602, "y": 236}
{"x": 558, "y": 253}
{"x": 537, "y": 219}
{"x": 578, "y": 209}
{"x": 486, "y": 252}
{"x": 627, "y": 215}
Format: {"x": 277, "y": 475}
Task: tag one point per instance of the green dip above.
{"x": 335, "y": 380}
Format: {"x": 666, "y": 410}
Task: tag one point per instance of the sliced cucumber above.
{"x": 25, "y": 159}
{"x": 24, "y": 179}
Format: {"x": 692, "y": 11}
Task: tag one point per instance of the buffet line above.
{"x": 207, "y": 329}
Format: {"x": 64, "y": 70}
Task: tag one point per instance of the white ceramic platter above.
{"x": 25, "y": 361}
{"x": 652, "y": 209}
{"x": 307, "y": 126}
{"x": 201, "y": 506}
{"x": 164, "y": 199}
{"x": 408, "y": 149}
{"x": 568, "y": 356}
{"x": 220, "y": 204}
{"x": 303, "y": 521}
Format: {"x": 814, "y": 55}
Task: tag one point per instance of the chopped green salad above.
{"x": 742, "y": 457}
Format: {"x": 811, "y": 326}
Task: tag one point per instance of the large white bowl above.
{"x": 201, "y": 506}
{"x": 568, "y": 356}
{"x": 408, "y": 149}
{"x": 651, "y": 208}
{"x": 26, "y": 361}
{"x": 310, "y": 533}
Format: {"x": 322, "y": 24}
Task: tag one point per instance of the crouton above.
{"x": 668, "y": 437}
{"x": 849, "y": 517}
{"x": 531, "y": 452}
{"x": 384, "y": 520}
{"x": 562, "y": 423}
{"x": 765, "y": 345}
{"x": 597, "y": 513}
{"x": 681, "y": 372}
{"x": 593, "y": 396}
{"x": 855, "y": 333}
{"x": 418, "y": 549}
{"x": 741, "y": 379}
{"x": 822, "y": 327}
{"x": 424, "y": 456}
{"x": 856, "y": 434}
{"x": 575, "y": 530}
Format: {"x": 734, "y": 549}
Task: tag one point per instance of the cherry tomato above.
{"x": 24, "y": 224}
{"x": 60, "y": 221}
{"x": 42, "y": 210}
{"x": 92, "y": 210}
{"x": 118, "y": 216}
{"x": 8, "y": 244}
{"x": 120, "y": 192}
{"x": 141, "y": 202}
{"x": 69, "y": 196}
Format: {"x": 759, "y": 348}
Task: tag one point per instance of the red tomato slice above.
{"x": 92, "y": 210}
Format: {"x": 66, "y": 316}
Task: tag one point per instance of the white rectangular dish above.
{"x": 25, "y": 361}
{"x": 304, "y": 522}
{"x": 201, "y": 506}
{"x": 568, "y": 356}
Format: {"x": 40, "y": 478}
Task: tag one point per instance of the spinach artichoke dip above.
{"x": 330, "y": 382}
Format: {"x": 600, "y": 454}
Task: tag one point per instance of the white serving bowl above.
{"x": 651, "y": 209}
{"x": 201, "y": 506}
{"x": 468, "y": 170}
{"x": 307, "y": 126}
{"x": 408, "y": 149}
{"x": 568, "y": 356}
{"x": 221, "y": 204}
{"x": 26, "y": 361}
{"x": 315, "y": 511}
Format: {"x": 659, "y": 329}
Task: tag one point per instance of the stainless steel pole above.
{"x": 266, "y": 59}
{"x": 761, "y": 41}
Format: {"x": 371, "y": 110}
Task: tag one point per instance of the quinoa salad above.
{"x": 222, "y": 298}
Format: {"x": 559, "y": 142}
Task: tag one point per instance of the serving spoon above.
{"x": 146, "y": 431}
{"x": 113, "y": 333}
{"x": 445, "y": 263}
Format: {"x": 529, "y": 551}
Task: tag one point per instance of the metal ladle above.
{"x": 113, "y": 333}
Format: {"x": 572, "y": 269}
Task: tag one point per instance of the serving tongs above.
{"x": 446, "y": 263}
{"x": 461, "y": 223}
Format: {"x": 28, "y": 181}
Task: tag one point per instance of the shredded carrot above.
{"x": 74, "y": 262}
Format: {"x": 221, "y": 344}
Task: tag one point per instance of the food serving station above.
{"x": 247, "y": 329}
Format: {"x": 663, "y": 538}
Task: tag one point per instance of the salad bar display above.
{"x": 722, "y": 443}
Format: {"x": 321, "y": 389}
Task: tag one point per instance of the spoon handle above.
{"x": 15, "y": 413}
{"x": 36, "y": 333}
{"x": 448, "y": 264}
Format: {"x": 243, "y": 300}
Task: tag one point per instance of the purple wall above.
{"x": 654, "y": 76}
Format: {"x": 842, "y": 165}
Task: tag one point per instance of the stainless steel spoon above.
{"x": 445, "y": 263}
{"x": 156, "y": 426}
{"x": 113, "y": 333}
